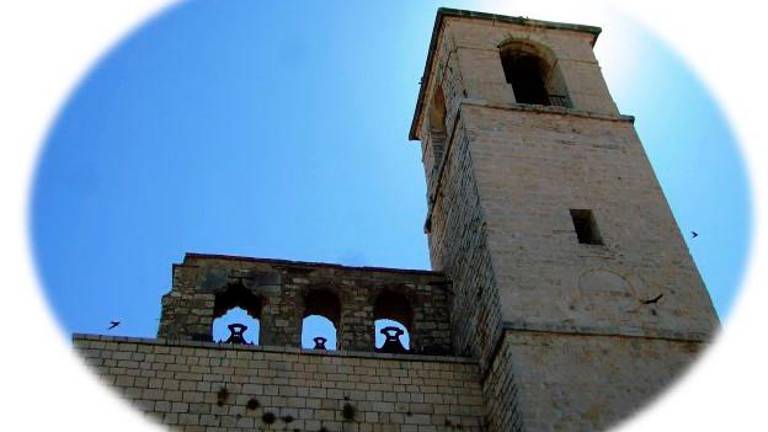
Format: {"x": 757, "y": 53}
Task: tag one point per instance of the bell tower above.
{"x": 571, "y": 282}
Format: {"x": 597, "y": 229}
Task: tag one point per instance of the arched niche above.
{"x": 392, "y": 310}
{"x": 320, "y": 319}
{"x": 237, "y": 305}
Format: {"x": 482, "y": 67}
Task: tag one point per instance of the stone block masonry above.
{"x": 200, "y": 386}
{"x": 458, "y": 244}
{"x": 543, "y": 380}
{"x": 281, "y": 293}
{"x": 525, "y": 151}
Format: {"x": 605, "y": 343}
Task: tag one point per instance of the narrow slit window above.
{"x": 586, "y": 227}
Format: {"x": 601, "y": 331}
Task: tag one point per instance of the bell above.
{"x": 320, "y": 343}
{"x": 392, "y": 342}
{"x": 236, "y": 334}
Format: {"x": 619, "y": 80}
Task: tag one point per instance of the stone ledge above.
{"x": 272, "y": 349}
{"x": 624, "y": 331}
{"x": 189, "y": 257}
{"x": 547, "y": 109}
{"x": 519, "y": 20}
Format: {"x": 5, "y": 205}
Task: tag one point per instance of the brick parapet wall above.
{"x": 179, "y": 384}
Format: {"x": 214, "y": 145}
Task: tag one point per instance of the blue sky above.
{"x": 280, "y": 130}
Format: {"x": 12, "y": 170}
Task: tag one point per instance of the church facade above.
{"x": 561, "y": 297}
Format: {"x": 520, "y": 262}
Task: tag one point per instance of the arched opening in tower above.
{"x": 322, "y": 312}
{"x": 534, "y": 76}
{"x": 237, "y": 316}
{"x": 393, "y": 320}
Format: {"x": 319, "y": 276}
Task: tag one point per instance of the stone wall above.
{"x": 532, "y": 167}
{"x": 476, "y": 46}
{"x": 502, "y": 393}
{"x": 572, "y": 382}
{"x": 543, "y": 311}
{"x": 284, "y": 292}
{"x": 512, "y": 173}
{"x": 458, "y": 246}
{"x": 180, "y": 384}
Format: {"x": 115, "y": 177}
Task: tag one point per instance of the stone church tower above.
{"x": 562, "y": 296}
{"x": 572, "y": 284}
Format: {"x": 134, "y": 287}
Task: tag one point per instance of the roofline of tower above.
{"x": 442, "y": 13}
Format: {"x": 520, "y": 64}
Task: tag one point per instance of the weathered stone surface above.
{"x": 307, "y": 387}
{"x": 284, "y": 288}
{"x": 569, "y": 336}
{"x": 581, "y": 382}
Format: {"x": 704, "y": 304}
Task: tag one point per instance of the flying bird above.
{"x": 694, "y": 234}
{"x": 113, "y": 324}
{"x": 653, "y": 300}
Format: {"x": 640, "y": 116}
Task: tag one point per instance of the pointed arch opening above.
{"x": 320, "y": 321}
{"x": 237, "y": 316}
{"x": 393, "y": 321}
{"x": 534, "y": 75}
